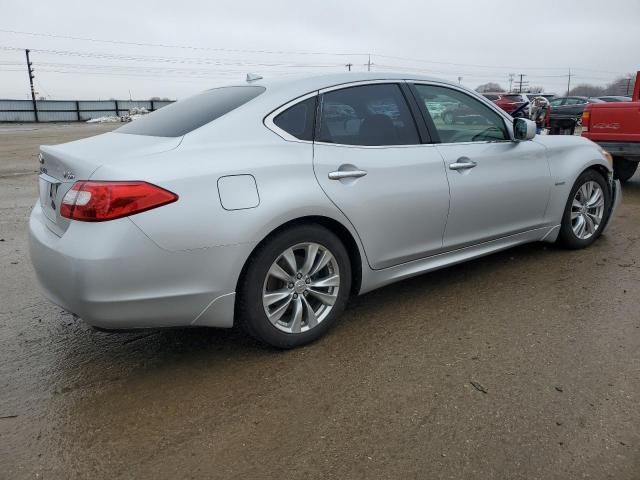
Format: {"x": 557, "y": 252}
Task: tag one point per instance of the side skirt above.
{"x": 373, "y": 279}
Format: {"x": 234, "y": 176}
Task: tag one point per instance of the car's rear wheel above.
{"x": 295, "y": 287}
{"x": 624, "y": 168}
{"x": 586, "y": 211}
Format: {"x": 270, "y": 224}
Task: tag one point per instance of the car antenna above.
{"x": 252, "y": 77}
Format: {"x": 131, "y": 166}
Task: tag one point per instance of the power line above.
{"x": 159, "y": 59}
{"x": 289, "y": 52}
{"x": 189, "y": 47}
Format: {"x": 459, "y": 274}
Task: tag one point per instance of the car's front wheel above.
{"x": 586, "y": 211}
{"x": 294, "y": 287}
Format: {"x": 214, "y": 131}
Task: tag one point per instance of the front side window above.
{"x": 186, "y": 115}
{"x": 368, "y": 115}
{"x": 556, "y": 102}
{"x": 298, "y": 120}
{"x": 459, "y": 117}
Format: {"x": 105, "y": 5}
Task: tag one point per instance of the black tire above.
{"x": 250, "y": 312}
{"x": 623, "y": 168}
{"x": 567, "y": 237}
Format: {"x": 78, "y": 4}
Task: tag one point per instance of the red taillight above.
{"x": 100, "y": 201}
{"x": 586, "y": 120}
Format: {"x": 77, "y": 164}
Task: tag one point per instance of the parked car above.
{"x": 616, "y": 127}
{"x": 613, "y": 98}
{"x": 566, "y": 113}
{"x": 571, "y": 107}
{"x": 267, "y": 204}
{"x": 492, "y": 96}
{"x": 458, "y": 112}
{"x": 510, "y": 102}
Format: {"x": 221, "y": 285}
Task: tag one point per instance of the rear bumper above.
{"x": 112, "y": 275}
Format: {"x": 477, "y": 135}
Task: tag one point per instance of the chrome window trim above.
{"x": 346, "y": 145}
{"x": 269, "y": 123}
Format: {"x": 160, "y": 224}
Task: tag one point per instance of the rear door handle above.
{"x": 340, "y": 174}
{"x": 462, "y": 165}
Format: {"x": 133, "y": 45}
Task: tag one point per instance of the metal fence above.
{"x": 71, "y": 110}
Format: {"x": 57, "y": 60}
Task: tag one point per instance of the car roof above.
{"x": 294, "y": 86}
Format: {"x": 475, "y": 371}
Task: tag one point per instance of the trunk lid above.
{"x": 62, "y": 165}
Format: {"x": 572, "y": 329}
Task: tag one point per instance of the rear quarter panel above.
{"x": 283, "y": 172}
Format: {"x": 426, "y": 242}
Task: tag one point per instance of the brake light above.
{"x": 90, "y": 201}
{"x": 586, "y": 118}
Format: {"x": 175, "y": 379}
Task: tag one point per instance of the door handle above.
{"x": 340, "y": 174}
{"x": 462, "y": 165}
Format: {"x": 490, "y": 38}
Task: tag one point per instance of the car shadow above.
{"x": 155, "y": 348}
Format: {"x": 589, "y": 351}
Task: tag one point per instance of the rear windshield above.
{"x": 186, "y": 115}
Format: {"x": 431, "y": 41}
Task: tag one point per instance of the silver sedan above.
{"x": 269, "y": 203}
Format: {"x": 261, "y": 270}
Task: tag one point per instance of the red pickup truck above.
{"x": 615, "y": 126}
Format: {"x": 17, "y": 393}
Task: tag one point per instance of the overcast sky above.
{"x": 480, "y": 41}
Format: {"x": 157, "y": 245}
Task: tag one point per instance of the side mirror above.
{"x": 523, "y": 129}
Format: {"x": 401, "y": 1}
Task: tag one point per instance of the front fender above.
{"x": 569, "y": 157}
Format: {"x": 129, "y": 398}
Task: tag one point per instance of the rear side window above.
{"x": 186, "y": 115}
{"x": 368, "y": 115}
{"x": 299, "y": 120}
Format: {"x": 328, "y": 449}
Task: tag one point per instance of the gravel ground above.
{"x": 520, "y": 365}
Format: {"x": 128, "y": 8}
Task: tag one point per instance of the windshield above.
{"x": 186, "y": 115}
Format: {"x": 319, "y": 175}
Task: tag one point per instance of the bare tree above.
{"x": 587, "y": 90}
{"x": 621, "y": 86}
{"x": 489, "y": 87}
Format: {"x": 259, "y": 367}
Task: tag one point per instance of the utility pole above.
{"x": 569, "y": 82}
{"x": 349, "y": 65}
{"x": 369, "y": 64}
{"x": 521, "y": 82}
{"x": 33, "y": 92}
{"x": 511, "y": 75}
{"x": 628, "y": 92}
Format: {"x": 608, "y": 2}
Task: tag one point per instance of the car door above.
{"x": 499, "y": 187}
{"x": 370, "y": 160}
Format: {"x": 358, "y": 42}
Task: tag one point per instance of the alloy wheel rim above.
{"x": 587, "y": 210}
{"x": 301, "y": 287}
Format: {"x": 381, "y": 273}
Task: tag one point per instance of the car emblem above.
{"x": 68, "y": 175}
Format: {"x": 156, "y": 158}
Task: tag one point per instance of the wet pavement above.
{"x": 523, "y": 364}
